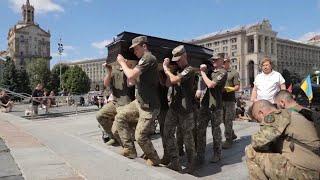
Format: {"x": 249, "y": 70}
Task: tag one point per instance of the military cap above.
{"x": 138, "y": 40}
{"x": 217, "y": 56}
{"x": 178, "y": 52}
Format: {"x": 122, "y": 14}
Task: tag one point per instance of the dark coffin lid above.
{"x": 160, "y": 47}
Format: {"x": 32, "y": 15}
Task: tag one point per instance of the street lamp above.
{"x": 60, "y": 50}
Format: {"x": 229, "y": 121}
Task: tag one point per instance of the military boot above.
{"x": 144, "y": 156}
{"x": 175, "y": 165}
{"x": 111, "y": 142}
{"x": 216, "y": 156}
{"x": 234, "y": 136}
{"x": 154, "y": 161}
{"x": 165, "y": 160}
{"x": 190, "y": 168}
{"x": 129, "y": 153}
{"x": 227, "y": 144}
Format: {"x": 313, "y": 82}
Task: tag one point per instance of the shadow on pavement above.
{"x": 233, "y": 155}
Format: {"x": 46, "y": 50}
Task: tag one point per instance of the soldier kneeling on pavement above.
{"x": 285, "y": 147}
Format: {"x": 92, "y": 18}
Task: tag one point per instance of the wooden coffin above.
{"x": 159, "y": 47}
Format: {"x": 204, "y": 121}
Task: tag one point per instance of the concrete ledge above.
{"x": 35, "y": 160}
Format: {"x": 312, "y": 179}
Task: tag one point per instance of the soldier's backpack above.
{"x": 312, "y": 116}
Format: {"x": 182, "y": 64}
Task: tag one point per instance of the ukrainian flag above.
{"x": 307, "y": 87}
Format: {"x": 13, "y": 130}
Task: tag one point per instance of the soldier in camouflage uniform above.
{"x": 122, "y": 95}
{"x": 146, "y": 105}
{"x": 180, "y": 113}
{"x": 228, "y": 103}
{"x": 286, "y": 147}
{"x": 215, "y": 85}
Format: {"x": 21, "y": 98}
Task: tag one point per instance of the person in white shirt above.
{"x": 267, "y": 83}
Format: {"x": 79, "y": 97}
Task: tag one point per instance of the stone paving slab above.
{"x": 35, "y": 160}
{"x": 77, "y": 141}
{"x": 8, "y": 167}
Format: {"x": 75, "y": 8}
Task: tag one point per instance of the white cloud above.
{"x": 101, "y": 44}
{"x": 41, "y": 6}
{"x": 87, "y": 1}
{"x": 308, "y": 36}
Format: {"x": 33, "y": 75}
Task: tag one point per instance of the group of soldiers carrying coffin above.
{"x": 140, "y": 95}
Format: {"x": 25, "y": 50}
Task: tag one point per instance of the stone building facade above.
{"x": 27, "y": 40}
{"x": 93, "y": 68}
{"x": 248, "y": 45}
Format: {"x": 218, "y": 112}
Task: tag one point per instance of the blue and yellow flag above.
{"x": 307, "y": 87}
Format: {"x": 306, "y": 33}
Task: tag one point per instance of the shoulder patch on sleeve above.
{"x": 185, "y": 71}
{"x": 269, "y": 119}
{"x": 220, "y": 77}
{"x": 141, "y": 61}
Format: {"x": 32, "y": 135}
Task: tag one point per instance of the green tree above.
{"x": 55, "y": 76}
{"x": 39, "y": 72}
{"x": 76, "y": 80}
{"x": 291, "y": 78}
{"x": 9, "y": 75}
{"x": 23, "y": 83}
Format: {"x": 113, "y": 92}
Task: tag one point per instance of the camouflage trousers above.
{"x": 263, "y": 166}
{"x": 145, "y": 127}
{"x": 179, "y": 133}
{"x": 161, "y": 120}
{"x": 173, "y": 120}
{"x": 205, "y": 115}
{"x": 105, "y": 117}
{"x": 229, "y": 114}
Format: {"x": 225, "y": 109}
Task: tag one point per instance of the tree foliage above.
{"x": 291, "y": 78}
{"x": 16, "y": 80}
{"x": 76, "y": 80}
{"x": 55, "y": 76}
{"x": 9, "y": 75}
{"x": 38, "y": 72}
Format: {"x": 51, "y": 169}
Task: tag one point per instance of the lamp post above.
{"x": 60, "y": 50}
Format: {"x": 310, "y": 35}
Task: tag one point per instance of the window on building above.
{"x": 234, "y": 53}
{"x": 234, "y": 61}
{"x": 22, "y": 39}
{"x": 233, "y": 40}
{"x": 235, "y": 67}
{"x": 234, "y": 47}
{"x": 225, "y": 48}
{"x": 224, "y": 42}
{"x": 216, "y": 43}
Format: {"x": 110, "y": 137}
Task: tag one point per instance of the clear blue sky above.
{"x": 85, "y": 24}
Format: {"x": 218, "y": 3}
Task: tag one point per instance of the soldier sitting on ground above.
{"x": 286, "y": 146}
{"x": 5, "y": 102}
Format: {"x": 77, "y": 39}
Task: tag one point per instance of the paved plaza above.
{"x": 69, "y": 146}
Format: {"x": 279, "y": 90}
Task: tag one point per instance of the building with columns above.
{"x": 93, "y": 68}
{"x": 314, "y": 40}
{"x": 27, "y": 40}
{"x": 248, "y": 45}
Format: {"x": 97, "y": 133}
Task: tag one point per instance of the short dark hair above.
{"x": 285, "y": 95}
